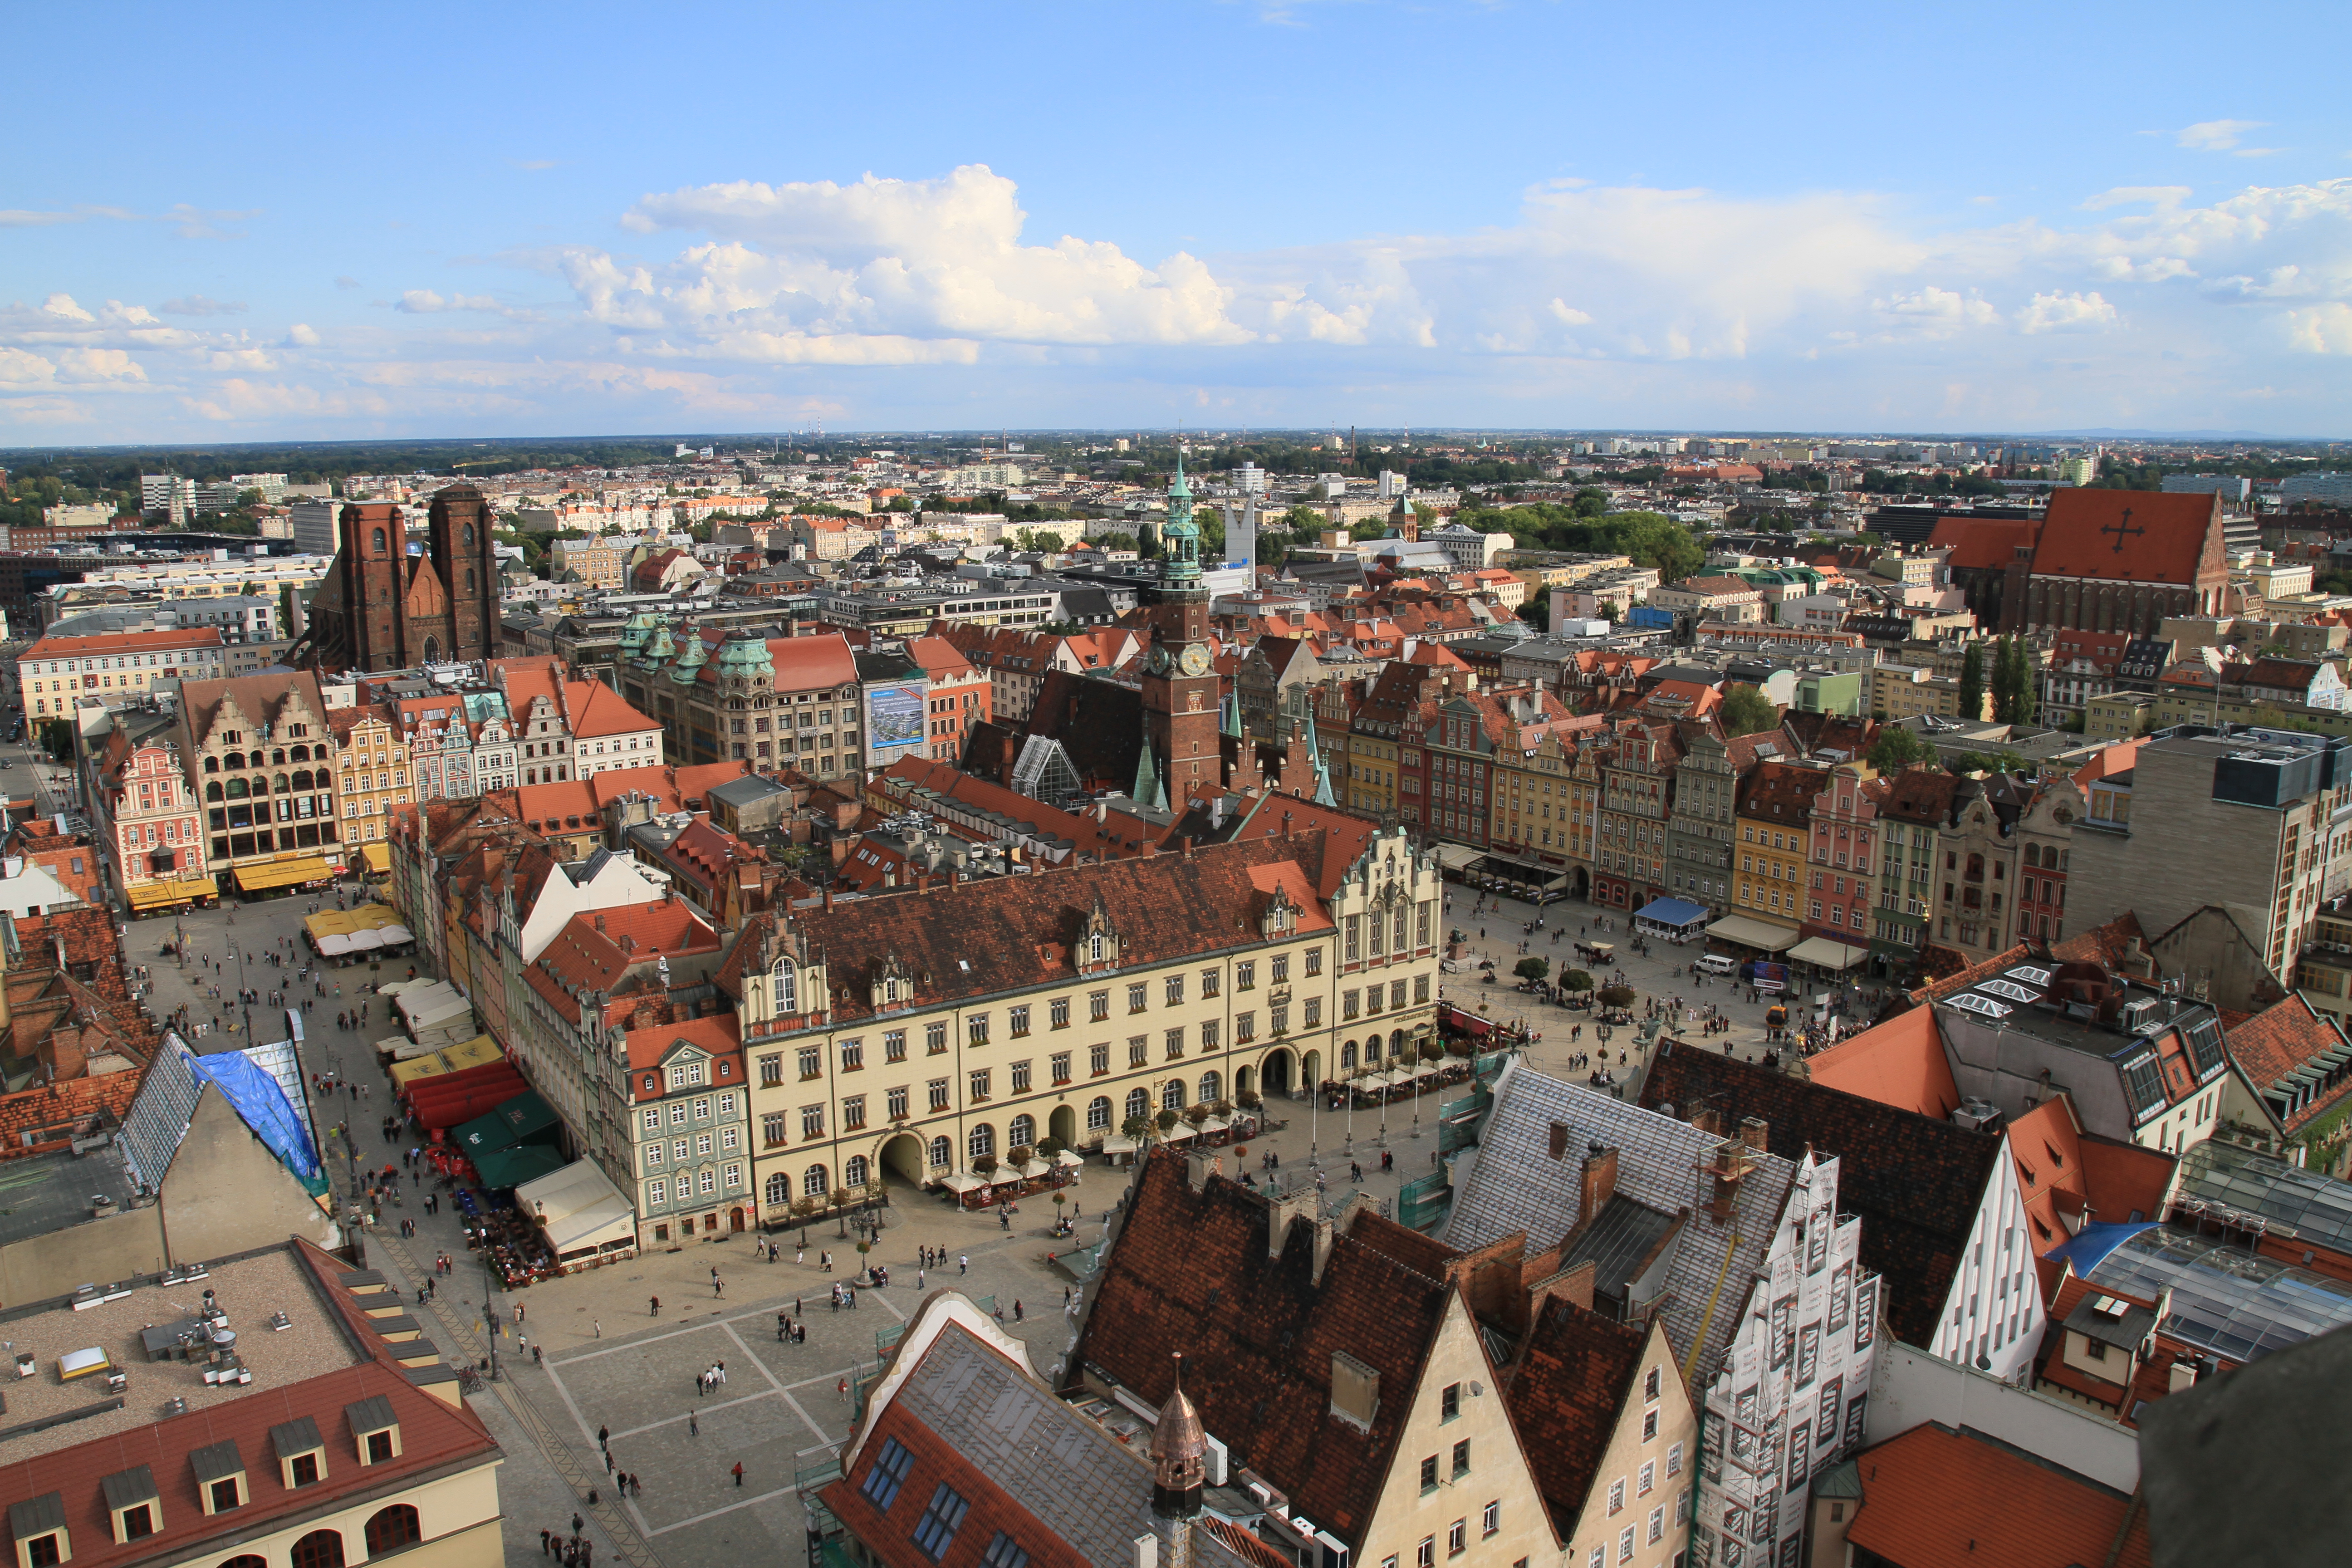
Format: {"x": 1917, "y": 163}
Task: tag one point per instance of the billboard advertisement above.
{"x": 893, "y": 722}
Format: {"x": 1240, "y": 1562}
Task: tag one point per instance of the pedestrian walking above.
{"x": 963, "y": 1264}
{"x": 693, "y": 1428}
{"x": 654, "y": 1308}
{"x": 604, "y": 1438}
{"x": 545, "y": 1537}
{"x": 738, "y": 1472}
{"x": 599, "y": 1327}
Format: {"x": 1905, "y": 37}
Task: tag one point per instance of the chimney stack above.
{"x": 1559, "y": 1139}
{"x": 1752, "y": 1131}
{"x": 1599, "y": 1184}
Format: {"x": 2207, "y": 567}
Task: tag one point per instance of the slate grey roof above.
{"x": 1084, "y": 1485}
{"x": 1511, "y": 1183}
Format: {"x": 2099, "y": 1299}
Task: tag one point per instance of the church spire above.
{"x": 1180, "y": 1450}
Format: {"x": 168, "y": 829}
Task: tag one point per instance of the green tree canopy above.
{"x": 1897, "y": 747}
{"x": 1746, "y": 711}
{"x": 1532, "y": 968}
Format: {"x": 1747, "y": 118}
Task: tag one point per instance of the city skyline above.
{"x": 1273, "y": 217}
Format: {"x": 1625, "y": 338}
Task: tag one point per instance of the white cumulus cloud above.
{"x": 2216, "y": 135}
{"x": 2065, "y": 313}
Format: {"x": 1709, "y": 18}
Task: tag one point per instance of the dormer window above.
{"x": 1095, "y": 947}
{"x": 301, "y": 1452}
{"x": 134, "y": 1509}
{"x": 787, "y": 988}
{"x": 39, "y": 1527}
{"x": 220, "y": 1478}
{"x": 375, "y": 1430}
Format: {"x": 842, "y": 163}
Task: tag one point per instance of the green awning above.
{"x": 482, "y": 1136}
{"x": 513, "y": 1167}
{"x": 525, "y": 1119}
{"x": 528, "y": 1120}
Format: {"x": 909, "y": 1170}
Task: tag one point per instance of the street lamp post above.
{"x": 490, "y": 1319}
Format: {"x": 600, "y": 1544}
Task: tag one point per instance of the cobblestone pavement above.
{"x": 609, "y": 1362}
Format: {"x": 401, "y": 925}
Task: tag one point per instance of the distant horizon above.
{"x": 1224, "y": 435}
{"x": 1311, "y": 213}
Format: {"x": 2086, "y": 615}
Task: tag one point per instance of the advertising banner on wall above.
{"x": 893, "y": 722}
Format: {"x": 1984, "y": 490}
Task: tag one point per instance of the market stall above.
{"x": 1675, "y": 920}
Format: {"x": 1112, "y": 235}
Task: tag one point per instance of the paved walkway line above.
{"x": 731, "y": 1508}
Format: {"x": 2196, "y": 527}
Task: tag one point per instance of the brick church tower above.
{"x": 1179, "y": 680}
{"x": 381, "y": 608}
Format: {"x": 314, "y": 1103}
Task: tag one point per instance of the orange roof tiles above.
{"x": 124, "y": 642}
{"x": 1900, "y": 1062}
{"x": 1935, "y": 1498}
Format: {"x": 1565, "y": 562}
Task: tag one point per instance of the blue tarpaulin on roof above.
{"x": 263, "y": 1104}
{"x": 1675, "y": 912}
{"x": 2092, "y": 1243}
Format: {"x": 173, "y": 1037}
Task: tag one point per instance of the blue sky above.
{"x": 282, "y": 222}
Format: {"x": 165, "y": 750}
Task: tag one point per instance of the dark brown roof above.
{"x": 1010, "y": 934}
{"x": 1190, "y": 1274}
{"x": 1919, "y": 794}
{"x": 1916, "y": 1182}
{"x": 1098, "y": 724}
{"x": 1782, "y": 793}
{"x": 1571, "y": 1387}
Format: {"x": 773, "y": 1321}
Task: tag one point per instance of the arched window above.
{"x": 303, "y": 779}
{"x": 237, "y": 789}
{"x": 2034, "y": 854}
{"x": 814, "y": 1184}
{"x": 302, "y": 754}
{"x": 1348, "y": 1056}
{"x": 432, "y": 650}
{"x": 247, "y": 1560}
{"x": 378, "y": 541}
{"x": 1020, "y": 1132}
{"x": 780, "y": 1190}
{"x": 943, "y": 1152}
{"x": 392, "y": 1527}
{"x": 1095, "y": 947}
{"x": 787, "y": 987}
{"x": 1171, "y": 1095}
{"x": 1976, "y": 868}
{"x": 213, "y": 790}
{"x": 980, "y": 1143}
{"x": 470, "y": 540}
{"x": 211, "y": 764}
{"x": 470, "y": 573}
{"x": 1211, "y": 1088}
{"x": 855, "y": 1170}
{"x": 234, "y": 761}
{"x": 277, "y": 758}
{"x": 321, "y": 1548}
{"x": 1396, "y": 1044}
{"x": 282, "y": 785}
{"x": 1098, "y": 1114}
{"x": 1139, "y": 1103}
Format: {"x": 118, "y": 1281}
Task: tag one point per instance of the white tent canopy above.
{"x": 561, "y": 1193}
{"x": 588, "y": 1229}
{"x": 1823, "y": 953}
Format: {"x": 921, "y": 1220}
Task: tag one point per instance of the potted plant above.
{"x": 1248, "y": 1100}
{"x": 1135, "y": 1126}
{"x": 1166, "y": 1121}
{"x": 1197, "y": 1115}
{"x": 1018, "y": 1156}
{"x": 984, "y": 1166}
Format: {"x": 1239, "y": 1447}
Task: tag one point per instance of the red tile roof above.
{"x": 715, "y": 1035}
{"x": 598, "y": 711}
{"x": 1981, "y": 544}
{"x": 1935, "y": 1498}
{"x": 2080, "y": 536}
{"x": 123, "y": 642}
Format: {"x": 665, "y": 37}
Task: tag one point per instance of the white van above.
{"x": 1717, "y": 963}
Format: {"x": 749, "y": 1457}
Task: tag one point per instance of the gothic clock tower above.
{"x": 1180, "y": 685}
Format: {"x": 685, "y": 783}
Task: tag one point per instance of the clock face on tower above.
{"x": 1158, "y": 661}
{"x": 1195, "y": 660}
